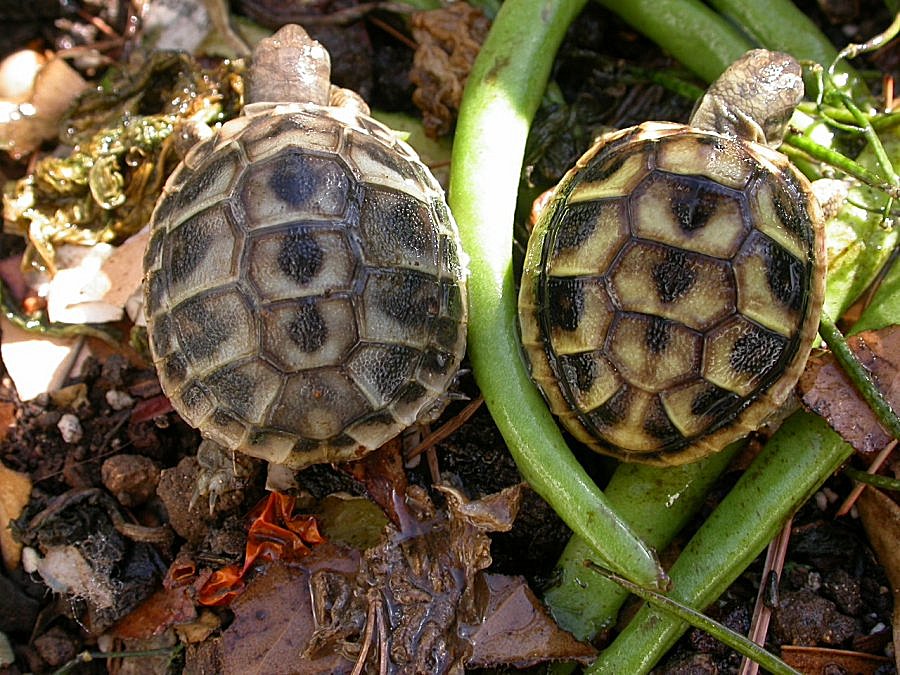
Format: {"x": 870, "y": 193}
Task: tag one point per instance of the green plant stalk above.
{"x": 503, "y": 92}
{"x": 701, "y": 40}
{"x": 658, "y": 503}
{"x": 726, "y": 636}
{"x": 778, "y": 24}
{"x": 835, "y": 159}
{"x": 794, "y": 463}
{"x": 859, "y": 376}
{"x": 882, "y": 482}
{"x": 879, "y": 121}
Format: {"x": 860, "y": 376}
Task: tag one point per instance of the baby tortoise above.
{"x": 305, "y": 290}
{"x": 673, "y": 285}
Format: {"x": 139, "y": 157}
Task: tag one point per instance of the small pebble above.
{"x": 814, "y": 581}
{"x": 821, "y": 501}
{"x": 132, "y": 479}
{"x": 70, "y": 428}
{"x": 118, "y": 400}
{"x": 56, "y": 646}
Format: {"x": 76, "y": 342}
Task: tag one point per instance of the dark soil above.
{"x": 832, "y": 593}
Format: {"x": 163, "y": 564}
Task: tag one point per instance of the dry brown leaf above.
{"x": 416, "y": 601}
{"x": 162, "y": 610}
{"x": 7, "y": 418}
{"x": 827, "y": 391}
{"x": 822, "y": 660}
{"x": 15, "y": 490}
{"x": 448, "y": 40}
{"x": 274, "y": 622}
{"x": 880, "y": 516}
{"x": 517, "y": 630}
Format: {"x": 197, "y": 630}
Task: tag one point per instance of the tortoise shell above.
{"x": 305, "y": 290}
{"x": 671, "y": 291}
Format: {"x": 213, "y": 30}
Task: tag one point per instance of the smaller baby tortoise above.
{"x": 673, "y": 285}
{"x": 305, "y": 288}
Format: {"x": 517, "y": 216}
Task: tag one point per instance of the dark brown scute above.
{"x": 757, "y": 352}
{"x": 564, "y": 302}
{"x": 674, "y": 277}
{"x": 300, "y": 256}
{"x": 308, "y": 329}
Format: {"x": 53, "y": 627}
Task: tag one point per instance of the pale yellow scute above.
{"x": 652, "y": 354}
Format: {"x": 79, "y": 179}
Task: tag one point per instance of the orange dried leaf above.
{"x": 222, "y": 587}
{"x": 275, "y": 534}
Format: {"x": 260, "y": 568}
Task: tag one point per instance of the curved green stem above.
{"x": 691, "y": 32}
{"x": 778, "y": 24}
{"x": 795, "y": 461}
{"x": 503, "y": 92}
{"x": 726, "y": 636}
{"x": 657, "y": 502}
{"x": 881, "y": 482}
{"x": 835, "y": 159}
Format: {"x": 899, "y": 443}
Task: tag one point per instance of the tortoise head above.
{"x": 289, "y": 67}
{"x": 753, "y": 99}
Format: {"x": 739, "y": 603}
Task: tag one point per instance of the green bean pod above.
{"x": 503, "y": 92}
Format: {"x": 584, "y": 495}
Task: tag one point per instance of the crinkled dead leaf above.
{"x": 15, "y": 490}
{"x": 276, "y": 533}
{"x": 414, "y": 590}
{"x": 107, "y": 185}
{"x": 384, "y": 478}
{"x": 416, "y": 601}
{"x": 448, "y": 40}
{"x": 880, "y": 516}
{"x": 827, "y": 391}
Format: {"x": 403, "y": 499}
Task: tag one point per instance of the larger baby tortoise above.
{"x": 673, "y": 286}
{"x": 305, "y": 289}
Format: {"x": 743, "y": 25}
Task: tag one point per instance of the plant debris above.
{"x": 448, "y": 41}
{"x": 82, "y": 546}
{"x": 106, "y": 187}
{"x": 827, "y": 391}
{"x": 416, "y": 601}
